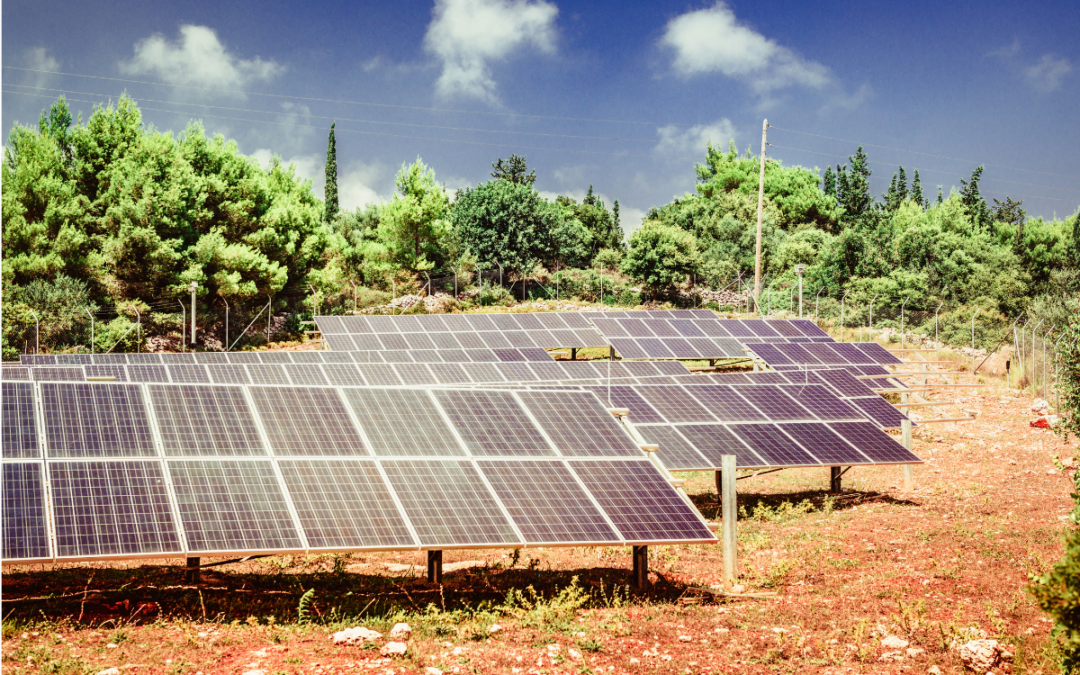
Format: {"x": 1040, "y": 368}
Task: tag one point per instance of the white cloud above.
{"x": 467, "y": 35}
{"x": 198, "y": 57}
{"x": 1046, "y": 75}
{"x": 307, "y": 166}
{"x": 629, "y": 217}
{"x": 359, "y": 184}
{"x": 695, "y": 139}
{"x": 38, "y": 58}
{"x": 712, "y": 40}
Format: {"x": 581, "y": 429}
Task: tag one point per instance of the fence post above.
{"x": 37, "y": 332}
{"x": 842, "y": 315}
{"x": 353, "y": 296}
{"x": 1033, "y": 348}
{"x": 817, "y": 301}
{"x": 138, "y": 332}
{"x": 905, "y": 428}
{"x": 903, "y": 338}
{"x": 871, "y": 333}
{"x": 973, "y": 341}
{"x": 89, "y": 314}
{"x": 729, "y": 513}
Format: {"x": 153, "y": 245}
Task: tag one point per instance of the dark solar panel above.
{"x": 344, "y": 504}
{"x": 232, "y": 505}
{"x": 611, "y": 328}
{"x": 635, "y": 327}
{"x": 267, "y": 374}
{"x": 823, "y": 444}
{"x": 640, "y": 501}
{"x": 823, "y": 403}
{"x": 732, "y": 348}
{"x": 772, "y": 445}
{"x": 874, "y": 443}
{"x": 725, "y": 403}
{"x": 508, "y": 355}
{"x": 674, "y": 403}
{"x": 492, "y": 423}
{"x": 343, "y": 375}
{"x": 379, "y": 374}
{"x": 550, "y": 320}
{"x": 675, "y": 452}
{"x": 306, "y": 422}
{"x": 623, "y": 396}
{"x": 760, "y": 327}
{"x": 564, "y": 338}
{"x": 628, "y": 348}
{"x": 483, "y": 372}
{"x": 450, "y": 373}
{"x": 845, "y": 383}
{"x": 773, "y": 402}
{"x": 641, "y": 368}
{"x": 536, "y": 354}
{"x": 879, "y": 411}
{"x": 14, "y": 373}
{"x": 200, "y": 420}
{"x": 393, "y": 342}
{"x": 58, "y": 374}
{"x": 655, "y": 348}
{"x": 367, "y": 342}
{"x": 578, "y": 424}
{"x": 226, "y": 374}
{"x": 808, "y": 328}
{"x": 575, "y": 321}
{"x": 189, "y": 373}
{"x": 784, "y": 328}
{"x": 823, "y": 352}
{"x": 588, "y": 338}
{"x": 850, "y": 352}
{"x": 116, "y": 372}
{"x": 797, "y": 353}
{"x": 19, "y": 433}
{"x": 546, "y": 502}
{"x": 25, "y": 527}
{"x": 403, "y": 422}
{"x": 712, "y": 329}
{"x": 684, "y": 350}
{"x": 544, "y": 339}
{"x": 878, "y": 354}
{"x": 714, "y": 441}
{"x": 111, "y": 508}
{"x": 444, "y": 341}
{"x": 448, "y": 503}
{"x": 96, "y": 420}
{"x": 707, "y": 348}
{"x": 415, "y": 374}
{"x": 770, "y": 354}
{"x": 687, "y": 328}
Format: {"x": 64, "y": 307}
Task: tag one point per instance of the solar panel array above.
{"x": 96, "y": 470}
{"x": 104, "y": 361}
{"x": 824, "y": 355}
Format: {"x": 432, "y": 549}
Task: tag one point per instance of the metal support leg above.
{"x": 834, "y": 480}
{"x": 641, "y": 567}
{"x": 729, "y": 513}
{"x": 611, "y": 353}
{"x": 573, "y": 353}
{"x": 909, "y": 471}
{"x": 719, "y": 486}
{"x": 434, "y": 567}
{"x": 191, "y": 575}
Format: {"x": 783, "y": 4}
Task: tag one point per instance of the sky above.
{"x": 623, "y": 96}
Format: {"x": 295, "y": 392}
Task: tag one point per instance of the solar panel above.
{"x": 267, "y": 374}
{"x": 448, "y": 503}
{"x": 380, "y": 374}
{"x": 640, "y": 501}
{"x": 227, "y": 374}
{"x": 547, "y": 503}
{"x": 14, "y": 373}
{"x": 25, "y": 527}
{"x": 443, "y": 341}
{"x": 450, "y": 373}
{"x": 432, "y": 323}
{"x": 770, "y": 354}
{"x": 392, "y": 342}
{"x": 725, "y": 403}
{"x": 472, "y": 341}
{"x": 845, "y": 383}
{"x": 343, "y": 375}
{"x": 588, "y": 338}
{"x": 147, "y": 373}
{"x": 111, "y": 508}
{"x": 547, "y": 371}
{"x": 116, "y": 372}
{"x": 188, "y": 373}
{"x": 825, "y": 353}
{"x": 878, "y": 354}
{"x": 492, "y": 423}
{"x": 402, "y": 422}
{"x": 483, "y": 372}
{"x": 824, "y": 404}
{"x": 19, "y": 433}
{"x": 712, "y": 329}
{"x": 276, "y": 357}
{"x": 415, "y": 373}
{"x": 874, "y": 443}
{"x": 536, "y": 354}
{"x": 419, "y": 341}
{"x": 211, "y": 357}
{"x": 773, "y": 446}
{"x": 551, "y": 321}
{"x": 774, "y": 403}
{"x": 200, "y": 420}
{"x": 243, "y": 358}
{"x": 825, "y": 445}
{"x": 366, "y": 342}
{"x": 232, "y": 505}
{"x": 399, "y": 356}
{"x": 58, "y": 374}
{"x": 674, "y": 403}
{"x": 629, "y": 348}
{"x": 879, "y": 411}
{"x": 306, "y": 422}
{"x": 516, "y": 372}
{"x": 95, "y": 420}
{"x": 797, "y": 353}
{"x": 454, "y": 356}
{"x": 578, "y": 424}
{"x": 808, "y": 328}
{"x": 344, "y": 504}
{"x": 674, "y": 452}
{"x": 623, "y": 396}
{"x": 714, "y": 441}
{"x": 785, "y": 328}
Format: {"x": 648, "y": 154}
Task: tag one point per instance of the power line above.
{"x": 376, "y": 133}
{"x": 346, "y": 119}
{"x": 368, "y": 103}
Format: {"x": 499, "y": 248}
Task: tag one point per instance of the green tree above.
{"x": 330, "y": 191}
{"x": 415, "y": 222}
{"x": 659, "y": 256}
{"x": 916, "y": 190}
{"x": 856, "y": 187}
{"x": 973, "y": 202}
{"x": 513, "y": 170}
{"x": 601, "y": 225}
{"x": 829, "y": 182}
{"x": 504, "y": 221}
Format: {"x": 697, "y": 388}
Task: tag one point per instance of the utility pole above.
{"x": 193, "y": 287}
{"x": 760, "y": 208}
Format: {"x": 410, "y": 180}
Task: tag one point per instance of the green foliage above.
{"x": 513, "y": 170}
{"x": 303, "y": 610}
{"x": 505, "y": 222}
{"x": 413, "y": 225}
{"x": 974, "y": 205}
{"x": 600, "y": 228}
{"x": 853, "y": 188}
{"x": 1068, "y": 379}
{"x": 330, "y": 191}
{"x": 660, "y": 256}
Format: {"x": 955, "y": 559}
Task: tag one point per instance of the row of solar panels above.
{"x": 483, "y": 355}
{"x": 824, "y": 354}
{"x": 352, "y": 374}
{"x": 163, "y": 470}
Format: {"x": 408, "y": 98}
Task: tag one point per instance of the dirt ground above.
{"x": 835, "y": 576}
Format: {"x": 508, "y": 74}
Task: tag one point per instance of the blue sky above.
{"x": 622, "y": 96}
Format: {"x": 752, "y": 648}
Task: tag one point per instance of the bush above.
{"x": 660, "y": 256}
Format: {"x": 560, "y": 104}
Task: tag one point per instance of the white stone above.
{"x": 400, "y": 631}
{"x": 112, "y": 645}
{"x": 574, "y": 654}
{"x": 394, "y": 649}
{"x": 893, "y": 642}
{"x": 914, "y": 652}
{"x": 254, "y": 672}
{"x": 634, "y": 661}
{"x": 431, "y": 670}
{"x": 934, "y": 670}
{"x": 109, "y": 671}
{"x": 353, "y": 636}
{"x": 685, "y": 638}
{"x": 983, "y": 655}
{"x": 738, "y": 588}
{"x": 891, "y": 656}
{"x": 495, "y": 628}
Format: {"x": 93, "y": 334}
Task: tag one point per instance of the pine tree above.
{"x": 330, "y": 192}
{"x": 829, "y": 186}
{"x": 857, "y": 199}
{"x": 973, "y": 202}
{"x": 841, "y": 184}
{"x": 939, "y": 199}
{"x": 892, "y": 200}
{"x": 916, "y": 190}
{"x": 901, "y": 185}
{"x": 513, "y": 170}
{"x": 590, "y": 198}
{"x": 615, "y": 213}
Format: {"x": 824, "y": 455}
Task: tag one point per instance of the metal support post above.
{"x": 1033, "y": 347}
{"x": 835, "y": 485}
{"x": 191, "y": 574}
{"x": 88, "y": 313}
{"x": 729, "y": 512}
{"x": 903, "y": 339}
{"x": 37, "y": 332}
{"x": 193, "y": 287}
{"x": 611, "y": 353}
{"x": 872, "y": 317}
{"x": 640, "y": 578}
{"x": 719, "y": 486}
{"x": 573, "y": 353}
{"x": 842, "y": 315}
{"x": 354, "y": 293}
{"x": 973, "y": 340}
{"x": 434, "y": 567}
{"x": 909, "y": 443}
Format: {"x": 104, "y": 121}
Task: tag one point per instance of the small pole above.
{"x": 191, "y": 576}
{"x": 799, "y": 270}
{"x": 903, "y": 338}
{"x": 760, "y": 213}
{"x": 835, "y": 486}
{"x": 183, "y": 327}
{"x": 936, "y": 321}
{"x": 138, "y": 330}
{"x": 428, "y": 283}
{"x": 269, "y": 318}
{"x": 91, "y": 315}
{"x": 226, "y": 322}
{"x": 1033, "y": 347}
{"x": 37, "y": 332}
{"x": 353, "y": 295}
{"x": 434, "y": 567}
{"x": 817, "y": 300}
{"x": 193, "y": 287}
{"x": 455, "y": 283}
{"x": 601, "y": 284}
{"x": 842, "y": 316}
{"x": 556, "y": 283}
{"x": 1046, "y": 392}
{"x": 729, "y": 513}
{"x": 872, "y": 316}
{"x": 641, "y": 567}
{"x": 973, "y": 340}
{"x": 905, "y": 427}
{"x": 791, "y": 300}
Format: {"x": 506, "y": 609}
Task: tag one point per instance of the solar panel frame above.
{"x": 675, "y": 452}
{"x": 204, "y": 421}
{"x": 878, "y": 355}
{"x": 403, "y": 423}
{"x": 368, "y": 342}
{"x": 14, "y": 374}
{"x": 20, "y": 438}
{"x": 725, "y": 403}
{"x": 307, "y": 422}
{"x": 674, "y": 403}
{"x": 628, "y": 348}
{"x": 25, "y": 525}
{"x": 879, "y": 411}
{"x": 877, "y": 445}
{"x": 774, "y": 403}
{"x": 773, "y": 446}
{"x": 712, "y": 329}
{"x": 625, "y": 396}
{"x": 825, "y": 405}
{"x": 713, "y": 441}
{"x": 91, "y": 421}
{"x": 58, "y": 374}
{"x": 445, "y": 341}
{"x": 564, "y": 418}
{"x": 827, "y": 447}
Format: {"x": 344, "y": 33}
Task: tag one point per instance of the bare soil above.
{"x": 935, "y": 566}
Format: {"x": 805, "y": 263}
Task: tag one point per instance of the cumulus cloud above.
{"x": 694, "y": 140}
{"x": 1046, "y": 75}
{"x": 359, "y": 184}
{"x": 712, "y": 40}
{"x": 197, "y": 57}
{"x": 467, "y": 35}
{"x": 629, "y": 217}
{"x": 38, "y": 58}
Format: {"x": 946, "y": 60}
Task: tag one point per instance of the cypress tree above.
{"x": 901, "y": 186}
{"x": 916, "y": 190}
{"x": 892, "y": 199}
{"x": 939, "y": 199}
{"x": 973, "y": 202}
{"x": 841, "y": 185}
{"x": 330, "y": 192}
{"x": 829, "y": 186}
{"x": 857, "y": 199}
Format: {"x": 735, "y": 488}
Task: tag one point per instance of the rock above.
{"x": 738, "y": 588}
{"x": 254, "y": 672}
{"x": 430, "y": 670}
{"x": 112, "y": 645}
{"x": 934, "y": 670}
{"x": 109, "y": 671}
{"x": 983, "y": 655}
{"x": 400, "y": 631}
{"x": 354, "y": 636}
{"x": 685, "y": 638}
{"x": 893, "y": 642}
{"x": 574, "y": 654}
{"x": 891, "y": 656}
{"x": 1040, "y": 406}
{"x": 914, "y": 652}
{"x": 394, "y": 649}
{"x": 495, "y": 628}
{"x": 634, "y": 661}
